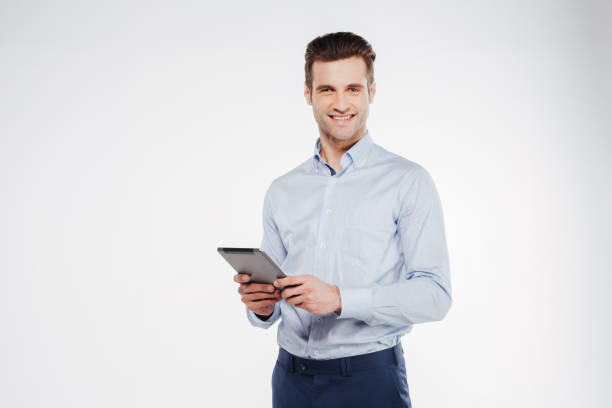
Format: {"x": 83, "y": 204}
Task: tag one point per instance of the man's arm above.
{"x": 425, "y": 293}
{"x": 272, "y": 245}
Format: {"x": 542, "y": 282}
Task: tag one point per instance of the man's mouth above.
{"x": 342, "y": 118}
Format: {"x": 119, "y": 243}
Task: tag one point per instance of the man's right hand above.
{"x": 258, "y": 297}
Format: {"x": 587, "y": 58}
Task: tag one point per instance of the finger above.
{"x": 243, "y": 290}
{"x": 259, "y": 287}
{"x": 288, "y": 292}
{"x": 289, "y": 280}
{"x": 260, "y": 304}
{"x": 296, "y": 300}
{"x": 260, "y": 296}
{"x": 241, "y": 277}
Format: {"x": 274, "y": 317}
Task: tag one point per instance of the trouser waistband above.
{"x": 344, "y": 365}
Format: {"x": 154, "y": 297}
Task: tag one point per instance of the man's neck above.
{"x": 332, "y": 149}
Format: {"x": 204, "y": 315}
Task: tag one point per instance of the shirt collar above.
{"x": 358, "y": 152}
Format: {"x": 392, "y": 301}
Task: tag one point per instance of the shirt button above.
{"x": 319, "y": 319}
{"x": 328, "y": 211}
{"x": 322, "y": 245}
{"x": 316, "y": 352}
{"x": 302, "y": 366}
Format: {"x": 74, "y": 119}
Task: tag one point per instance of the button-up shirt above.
{"x": 374, "y": 229}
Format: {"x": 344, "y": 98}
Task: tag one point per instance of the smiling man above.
{"x": 359, "y": 231}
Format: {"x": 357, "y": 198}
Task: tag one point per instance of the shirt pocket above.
{"x": 365, "y": 233}
{"x": 362, "y": 244}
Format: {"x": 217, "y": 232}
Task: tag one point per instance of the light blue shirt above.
{"x": 375, "y": 229}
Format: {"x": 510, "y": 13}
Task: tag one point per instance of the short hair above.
{"x": 335, "y": 46}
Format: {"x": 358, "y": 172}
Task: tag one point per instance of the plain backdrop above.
{"x": 138, "y": 136}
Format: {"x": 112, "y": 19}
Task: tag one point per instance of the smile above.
{"x": 343, "y": 118}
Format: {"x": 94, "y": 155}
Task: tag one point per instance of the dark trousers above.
{"x": 367, "y": 380}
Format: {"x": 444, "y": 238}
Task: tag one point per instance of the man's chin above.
{"x": 342, "y": 136}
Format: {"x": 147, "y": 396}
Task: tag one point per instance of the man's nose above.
{"x": 340, "y": 104}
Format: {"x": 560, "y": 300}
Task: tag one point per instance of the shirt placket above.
{"x": 323, "y": 245}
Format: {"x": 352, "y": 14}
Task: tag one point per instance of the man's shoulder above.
{"x": 295, "y": 175}
{"x": 396, "y": 163}
{"x": 412, "y": 177}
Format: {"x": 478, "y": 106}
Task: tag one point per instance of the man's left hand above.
{"x": 312, "y": 294}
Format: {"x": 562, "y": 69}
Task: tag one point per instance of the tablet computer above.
{"x": 254, "y": 262}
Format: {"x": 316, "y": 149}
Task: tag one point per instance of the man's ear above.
{"x": 307, "y": 94}
{"x": 372, "y": 91}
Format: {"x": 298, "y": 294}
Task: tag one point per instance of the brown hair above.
{"x": 335, "y": 46}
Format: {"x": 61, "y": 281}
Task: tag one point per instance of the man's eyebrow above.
{"x": 355, "y": 85}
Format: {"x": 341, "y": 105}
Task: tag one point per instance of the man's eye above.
{"x": 355, "y": 89}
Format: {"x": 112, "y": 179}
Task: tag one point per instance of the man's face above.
{"x": 340, "y": 88}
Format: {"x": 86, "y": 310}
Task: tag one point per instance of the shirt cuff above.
{"x": 264, "y": 324}
{"x": 356, "y": 303}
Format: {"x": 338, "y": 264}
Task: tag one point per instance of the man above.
{"x": 360, "y": 231}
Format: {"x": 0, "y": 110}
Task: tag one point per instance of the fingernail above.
{"x": 276, "y": 283}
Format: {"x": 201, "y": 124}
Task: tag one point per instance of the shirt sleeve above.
{"x": 272, "y": 245}
{"x": 424, "y": 293}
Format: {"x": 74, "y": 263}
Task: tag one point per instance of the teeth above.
{"x": 342, "y": 117}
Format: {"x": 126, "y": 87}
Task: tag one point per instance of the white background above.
{"x": 137, "y": 137}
